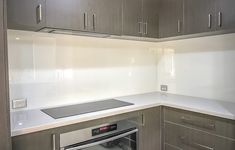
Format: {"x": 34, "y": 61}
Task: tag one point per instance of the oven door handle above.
{"x": 102, "y": 141}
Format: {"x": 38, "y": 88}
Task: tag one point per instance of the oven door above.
{"x": 117, "y": 141}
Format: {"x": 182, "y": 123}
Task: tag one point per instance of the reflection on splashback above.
{"x": 201, "y": 67}
{"x": 51, "y": 70}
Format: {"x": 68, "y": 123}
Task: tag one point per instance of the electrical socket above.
{"x": 164, "y": 88}
{"x": 19, "y": 103}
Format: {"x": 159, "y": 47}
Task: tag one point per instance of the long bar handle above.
{"x": 220, "y": 19}
{"x": 85, "y": 15}
{"x": 140, "y": 31}
{"x": 195, "y": 144}
{"x": 53, "y": 142}
{"x": 39, "y": 13}
{"x": 145, "y": 28}
{"x": 209, "y": 20}
{"x": 103, "y": 141}
{"x": 179, "y": 26}
{"x": 94, "y": 21}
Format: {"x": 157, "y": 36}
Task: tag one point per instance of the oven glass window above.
{"x": 124, "y": 143}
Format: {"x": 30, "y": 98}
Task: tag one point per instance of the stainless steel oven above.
{"x": 120, "y": 135}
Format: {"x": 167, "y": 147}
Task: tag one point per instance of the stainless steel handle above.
{"x": 53, "y": 142}
{"x": 179, "y": 26}
{"x": 197, "y": 123}
{"x": 143, "y": 120}
{"x": 195, "y": 144}
{"x": 145, "y": 28}
{"x": 140, "y": 27}
{"x": 94, "y": 21}
{"x": 209, "y": 20}
{"x": 103, "y": 141}
{"x": 39, "y": 13}
{"x": 85, "y": 15}
{"x": 220, "y": 19}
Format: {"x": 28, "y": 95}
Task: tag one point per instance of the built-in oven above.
{"x": 120, "y": 135}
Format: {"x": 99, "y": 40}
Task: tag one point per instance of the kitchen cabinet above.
{"x": 26, "y": 14}
{"x": 225, "y": 14}
{"x": 150, "y": 132}
{"x": 171, "y": 21}
{"x": 189, "y": 130}
{"x": 150, "y": 18}
{"x": 199, "y": 16}
{"x": 5, "y": 140}
{"x": 132, "y": 18}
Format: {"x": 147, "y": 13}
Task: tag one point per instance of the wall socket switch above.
{"x": 19, "y": 103}
{"x": 164, "y": 88}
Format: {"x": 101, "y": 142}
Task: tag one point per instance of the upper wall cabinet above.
{"x": 26, "y": 14}
{"x": 225, "y": 14}
{"x": 199, "y": 16}
{"x": 171, "y": 18}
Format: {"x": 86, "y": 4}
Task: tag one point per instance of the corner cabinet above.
{"x": 26, "y": 14}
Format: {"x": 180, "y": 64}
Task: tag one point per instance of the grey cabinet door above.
{"x": 106, "y": 16}
{"x": 68, "y": 14}
{"x": 199, "y": 16}
{"x": 26, "y": 14}
{"x": 225, "y": 14}
{"x": 171, "y": 18}
{"x": 132, "y": 18}
{"x": 150, "y": 18}
{"x": 150, "y": 132}
{"x": 4, "y": 102}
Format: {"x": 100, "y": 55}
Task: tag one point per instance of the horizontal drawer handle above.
{"x": 186, "y": 120}
{"x": 196, "y": 145}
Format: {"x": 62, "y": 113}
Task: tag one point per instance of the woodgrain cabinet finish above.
{"x": 26, "y": 14}
{"x": 150, "y": 132}
{"x": 171, "y": 18}
{"x": 4, "y": 106}
{"x": 199, "y": 16}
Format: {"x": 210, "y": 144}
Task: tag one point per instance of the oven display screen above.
{"x": 104, "y": 129}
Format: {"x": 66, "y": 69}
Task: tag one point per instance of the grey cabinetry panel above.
{"x": 26, "y": 14}
{"x": 199, "y": 16}
{"x": 171, "y": 18}
{"x": 132, "y": 18}
{"x": 190, "y": 139}
{"x": 150, "y": 132}
{"x": 150, "y": 18}
{"x": 67, "y": 14}
{"x": 106, "y": 16}
{"x": 225, "y": 14}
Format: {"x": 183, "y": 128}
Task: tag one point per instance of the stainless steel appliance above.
{"x": 121, "y": 135}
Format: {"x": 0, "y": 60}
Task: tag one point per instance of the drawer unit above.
{"x": 214, "y": 125}
{"x": 192, "y": 139}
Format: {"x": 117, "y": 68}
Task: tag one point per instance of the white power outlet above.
{"x": 19, "y": 103}
{"x": 164, "y": 88}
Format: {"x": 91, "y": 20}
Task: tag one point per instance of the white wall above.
{"x": 52, "y": 70}
{"x": 201, "y": 67}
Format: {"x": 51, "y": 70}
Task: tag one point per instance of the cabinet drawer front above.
{"x": 215, "y": 125}
{"x": 192, "y": 139}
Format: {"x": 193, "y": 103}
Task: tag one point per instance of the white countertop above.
{"x": 28, "y": 121}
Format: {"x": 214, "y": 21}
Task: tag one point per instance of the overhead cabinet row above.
{"x": 141, "y": 18}
{"x": 183, "y": 17}
{"x": 115, "y": 17}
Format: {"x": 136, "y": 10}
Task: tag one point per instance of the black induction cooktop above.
{"x": 78, "y": 109}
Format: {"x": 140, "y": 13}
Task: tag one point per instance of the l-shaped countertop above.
{"x": 29, "y": 121}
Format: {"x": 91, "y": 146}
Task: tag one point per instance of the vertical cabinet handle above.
{"x": 178, "y": 26}
{"x": 94, "y": 21}
{"x": 209, "y": 20}
{"x": 39, "y": 13}
{"x": 53, "y": 142}
{"x": 85, "y": 20}
{"x": 140, "y": 27}
{"x": 145, "y": 28}
{"x": 220, "y": 19}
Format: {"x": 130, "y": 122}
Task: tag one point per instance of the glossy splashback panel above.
{"x": 52, "y": 70}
